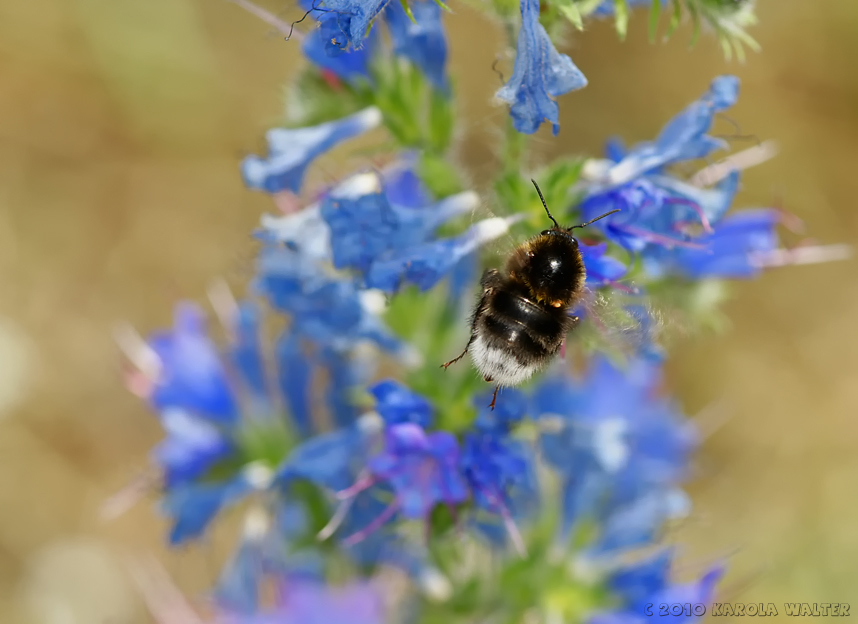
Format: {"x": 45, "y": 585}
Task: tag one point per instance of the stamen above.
{"x": 659, "y": 239}
{"x": 268, "y": 18}
{"x": 373, "y": 526}
{"x": 704, "y": 220}
{"x": 511, "y": 528}
{"x": 801, "y": 255}
{"x": 363, "y": 483}
{"x": 740, "y": 160}
{"x": 224, "y": 304}
{"x": 336, "y": 520}
{"x": 138, "y": 352}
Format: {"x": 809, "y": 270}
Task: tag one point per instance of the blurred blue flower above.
{"x": 683, "y": 138}
{"x": 191, "y": 447}
{"x": 191, "y": 376}
{"x": 192, "y": 506}
{"x": 245, "y": 350}
{"x": 292, "y": 150}
{"x": 602, "y": 270}
{"x": 732, "y": 251}
{"x": 608, "y": 6}
{"x": 540, "y": 73}
{"x": 397, "y": 404}
{"x": 421, "y": 41}
{"x": 423, "y": 469}
{"x": 648, "y": 583}
{"x": 620, "y": 448}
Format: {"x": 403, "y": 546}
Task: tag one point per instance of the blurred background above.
{"x": 121, "y": 126}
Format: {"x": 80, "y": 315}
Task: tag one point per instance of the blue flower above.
{"x": 191, "y": 447}
{"x": 425, "y": 265}
{"x": 292, "y": 150}
{"x": 659, "y": 210}
{"x": 349, "y": 66}
{"x": 732, "y": 251}
{"x": 192, "y": 506}
{"x": 397, "y": 404}
{"x": 245, "y": 350}
{"x": 191, "y": 376}
{"x": 647, "y": 583}
{"x": 620, "y": 448}
{"x": 607, "y": 7}
{"x": 329, "y": 311}
{"x": 683, "y": 138}
{"x": 602, "y": 270}
{"x": 345, "y": 23}
{"x": 365, "y": 227}
{"x": 421, "y": 41}
{"x": 422, "y": 469}
{"x": 540, "y": 73}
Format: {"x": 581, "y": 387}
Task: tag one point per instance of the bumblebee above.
{"x": 522, "y": 316}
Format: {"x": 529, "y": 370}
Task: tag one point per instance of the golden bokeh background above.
{"x": 121, "y": 126}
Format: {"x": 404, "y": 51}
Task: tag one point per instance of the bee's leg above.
{"x": 460, "y": 356}
{"x": 494, "y": 398}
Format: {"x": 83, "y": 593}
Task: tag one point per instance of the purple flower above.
{"x": 292, "y": 150}
{"x": 422, "y": 469}
{"x": 191, "y": 376}
{"x": 421, "y": 41}
{"x": 540, "y": 73}
{"x": 302, "y": 601}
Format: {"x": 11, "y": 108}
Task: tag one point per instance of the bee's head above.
{"x": 565, "y": 232}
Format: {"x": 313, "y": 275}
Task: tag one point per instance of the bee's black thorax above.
{"x": 551, "y": 267}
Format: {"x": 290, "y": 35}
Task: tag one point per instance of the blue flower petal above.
{"x": 350, "y": 66}
{"x": 292, "y": 150}
{"x": 191, "y": 447}
{"x": 295, "y": 376}
{"x": 347, "y": 28}
{"x": 245, "y": 351}
{"x": 191, "y": 376}
{"x": 540, "y": 73}
{"x": 683, "y": 138}
{"x": 397, "y": 404}
{"x": 425, "y": 265}
{"x": 193, "y": 506}
{"x": 601, "y": 269}
{"x": 422, "y": 41}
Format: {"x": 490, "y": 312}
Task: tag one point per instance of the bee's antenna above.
{"x": 594, "y": 220}
{"x": 557, "y": 225}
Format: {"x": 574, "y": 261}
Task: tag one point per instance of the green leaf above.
{"x": 570, "y": 11}
{"x": 408, "y": 12}
{"x": 439, "y": 175}
{"x": 621, "y": 12}
{"x": 441, "y": 121}
{"x": 654, "y": 14}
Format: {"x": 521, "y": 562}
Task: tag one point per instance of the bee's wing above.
{"x": 624, "y": 324}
